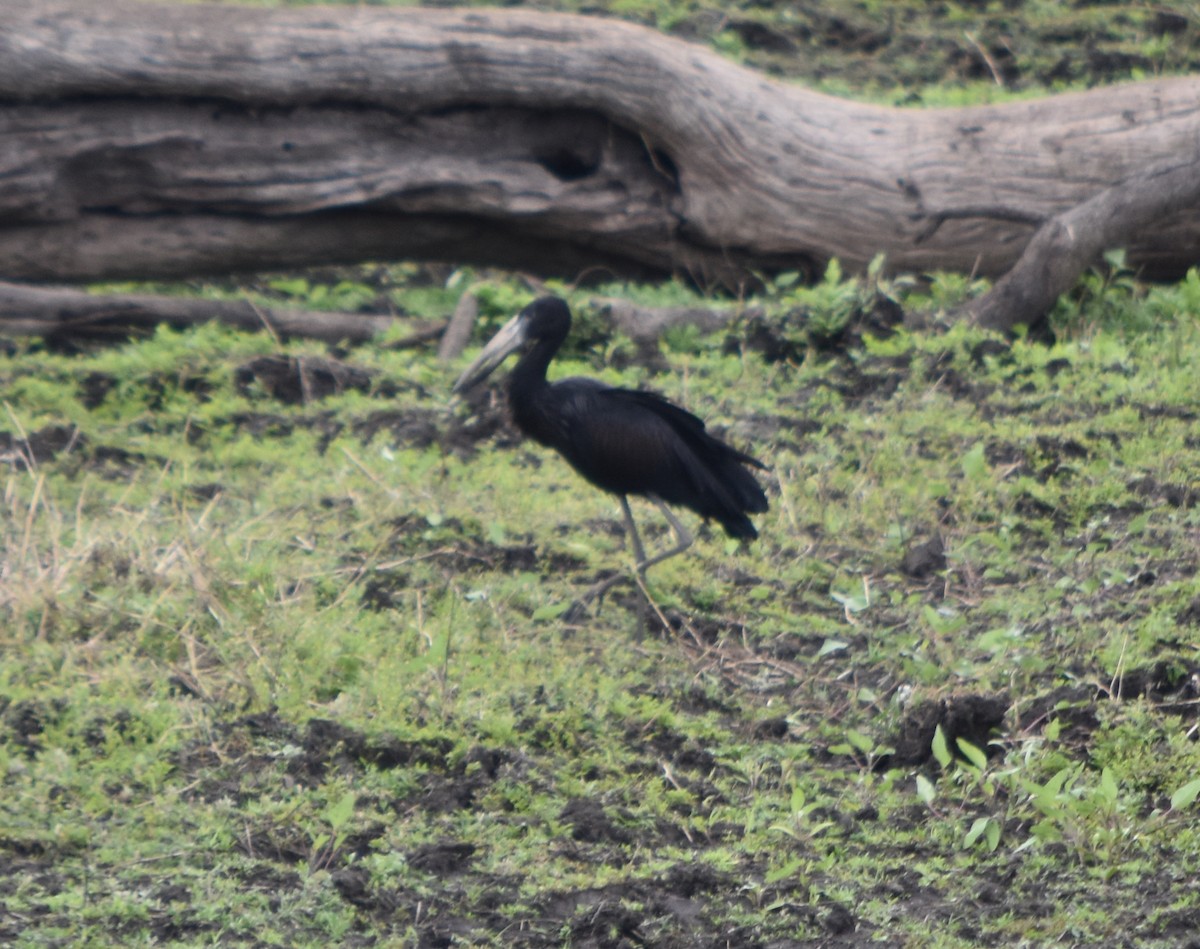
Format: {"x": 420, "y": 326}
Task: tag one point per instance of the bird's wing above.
{"x": 687, "y": 425}
{"x": 617, "y": 443}
{"x": 632, "y": 442}
{"x": 712, "y": 467}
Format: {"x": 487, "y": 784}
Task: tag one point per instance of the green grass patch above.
{"x": 298, "y": 673}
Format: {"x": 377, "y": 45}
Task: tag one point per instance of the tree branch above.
{"x": 1067, "y": 245}
{"x": 47, "y": 311}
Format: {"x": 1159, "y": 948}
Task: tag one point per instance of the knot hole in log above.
{"x": 573, "y": 146}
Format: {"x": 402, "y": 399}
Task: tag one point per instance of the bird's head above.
{"x": 546, "y": 320}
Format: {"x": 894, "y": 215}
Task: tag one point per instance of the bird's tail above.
{"x": 731, "y": 492}
{"x": 745, "y": 495}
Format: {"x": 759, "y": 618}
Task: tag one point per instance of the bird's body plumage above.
{"x": 630, "y": 442}
{"x": 624, "y": 441}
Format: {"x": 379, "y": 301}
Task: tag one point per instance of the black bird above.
{"x": 621, "y": 440}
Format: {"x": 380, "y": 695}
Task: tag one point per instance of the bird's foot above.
{"x": 575, "y": 612}
{"x": 578, "y": 610}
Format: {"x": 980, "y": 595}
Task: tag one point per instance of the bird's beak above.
{"x": 510, "y": 338}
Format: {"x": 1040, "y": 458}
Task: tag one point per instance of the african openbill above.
{"x": 621, "y": 440}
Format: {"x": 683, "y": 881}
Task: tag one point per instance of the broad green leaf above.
{"x": 338, "y": 814}
{"x": 941, "y": 752}
{"x": 1186, "y": 795}
{"x": 993, "y": 835}
{"x": 974, "y": 463}
{"x": 785, "y": 872}
{"x": 972, "y": 753}
{"x": 550, "y": 611}
{"x": 976, "y": 831}
{"x": 1108, "y": 786}
{"x": 860, "y": 741}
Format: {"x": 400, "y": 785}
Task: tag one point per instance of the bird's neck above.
{"x": 529, "y": 375}
{"x": 527, "y": 387}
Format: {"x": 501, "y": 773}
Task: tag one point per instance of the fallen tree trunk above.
{"x": 145, "y": 141}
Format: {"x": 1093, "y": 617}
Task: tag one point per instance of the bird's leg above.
{"x": 683, "y": 538}
{"x": 639, "y": 552}
{"x": 604, "y": 586}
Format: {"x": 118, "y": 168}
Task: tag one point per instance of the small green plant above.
{"x": 1107, "y": 297}
{"x": 343, "y": 295}
{"x": 1091, "y": 818}
{"x": 864, "y": 750}
{"x": 1094, "y": 819}
{"x": 327, "y": 841}
{"x": 800, "y": 825}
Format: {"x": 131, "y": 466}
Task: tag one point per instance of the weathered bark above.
{"x": 645, "y": 324}
{"x": 458, "y": 330}
{"x": 144, "y": 141}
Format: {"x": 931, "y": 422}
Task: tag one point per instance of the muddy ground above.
{"x": 688, "y": 902}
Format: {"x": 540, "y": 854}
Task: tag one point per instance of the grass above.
{"x": 293, "y": 674}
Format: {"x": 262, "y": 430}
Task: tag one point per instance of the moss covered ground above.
{"x": 285, "y": 658}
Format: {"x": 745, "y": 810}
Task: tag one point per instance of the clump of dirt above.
{"x": 457, "y": 549}
{"x": 460, "y": 434}
{"x": 25, "y": 721}
{"x": 264, "y": 425}
{"x": 416, "y": 428}
{"x": 590, "y": 823}
{"x": 227, "y": 767}
{"x": 330, "y": 745}
{"x": 466, "y": 903}
{"x": 671, "y": 909}
{"x": 1074, "y": 706}
{"x": 786, "y": 338}
{"x": 778, "y": 339}
{"x": 47, "y": 444}
{"x": 119, "y": 464}
{"x": 1172, "y": 684}
{"x": 1190, "y": 614}
{"x": 1175, "y": 495}
{"x": 859, "y": 385}
{"x": 41, "y": 446}
{"x": 94, "y": 389}
{"x": 154, "y": 387}
{"x": 121, "y": 724}
{"x": 300, "y": 380}
{"x": 703, "y": 629}
{"x": 995, "y": 349}
{"x": 771, "y": 729}
{"x": 443, "y": 857}
{"x": 923, "y": 560}
{"x": 973, "y": 718}
{"x": 878, "y": 317}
